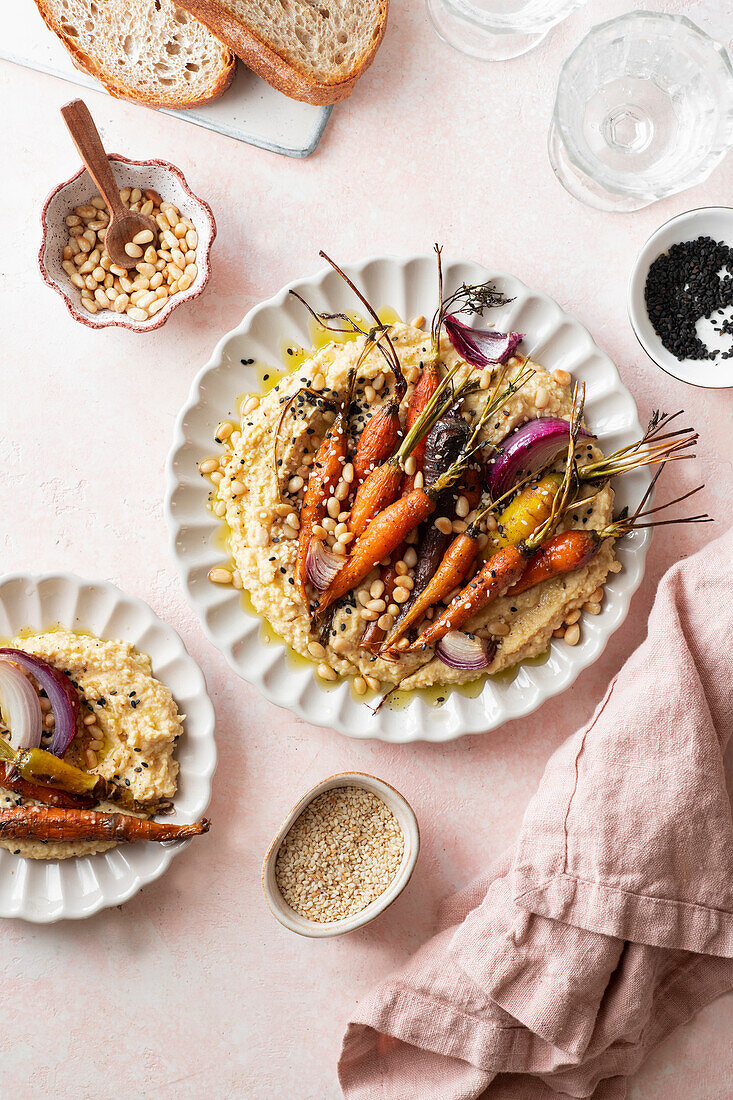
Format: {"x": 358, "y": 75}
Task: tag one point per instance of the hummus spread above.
{"x": 258, "y": 489}
{"x": 137, "y": 723}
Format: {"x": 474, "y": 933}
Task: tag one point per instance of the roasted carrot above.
{"x": 452, "y": 571}
{"x": 44, "y": 823}
{"x": 571, "y": 550}
{"x": 501, "y": 571}
{"x": 12, "y": 780}
{"x": 425, "y": 388}
{"x": 377, "y": 442}
{"x": 322, "y": 480}
{"x": 529, "y": 509}
{"x": 390, "y": 526}
{"x": 383, "y": 535}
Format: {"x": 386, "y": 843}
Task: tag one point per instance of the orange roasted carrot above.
{"x": 44, "y": 823}
{"x": 426, "y": 386}
{"x": 322, "y": 480}
{"x": 563, "y": 553}
{"x": 377, "y": 442}
{"x": 383, "y": 535}
{"x": 499, "y": 573}
{"x": 453, "y": 570}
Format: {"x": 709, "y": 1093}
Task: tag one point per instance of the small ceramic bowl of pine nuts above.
{"x": 172, "y": 268}
{"x": 343, "y": 854}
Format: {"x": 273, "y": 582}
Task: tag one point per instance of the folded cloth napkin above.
{"x": 611, "y": 921}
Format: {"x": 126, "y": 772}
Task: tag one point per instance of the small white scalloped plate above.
{"x": 49, "y": 890}
{"x": 553, "y": 338}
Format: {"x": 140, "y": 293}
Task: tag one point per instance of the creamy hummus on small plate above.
{"x": 128, "y": 731}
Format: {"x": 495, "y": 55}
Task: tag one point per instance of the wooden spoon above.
{"x": 124, "y": 224}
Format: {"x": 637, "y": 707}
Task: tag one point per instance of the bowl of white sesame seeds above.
{"x": 344, "y": 853}
{"x": 172, "y": 265}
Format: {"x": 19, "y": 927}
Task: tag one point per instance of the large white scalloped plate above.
{"x": 409, "y": 286}
{"x": 51, "y": 890}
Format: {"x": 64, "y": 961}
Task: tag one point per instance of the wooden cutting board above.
{"x": 250, "y": 110}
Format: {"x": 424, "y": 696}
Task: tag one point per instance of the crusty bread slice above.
{"x": 150, "y": 51}
{"x": 314, "y": 50}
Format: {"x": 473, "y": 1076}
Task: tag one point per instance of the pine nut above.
{"x": 292, "y": 520}
{"x": 145, "y": 236}
{"x": 500, "y": 629}
{"x": 373, "y": 682}
{"x": 295, "y": 484}
{"x": 208, "y": 465}
{"x": 326, "y": 672}
{"x": 563, "y": 379}
{"x": 597, "y": 596}
{"x": 156, "y": 306}
{"x": 340, "y": 645}
{"x": 133, "y": 250}
{"x": 152, "y": 196}
{"x": 592, "y": 608}
{"x": 369, "y": 616}
{"x": 572, "y": 617}
{"x": 90, "y": 719}
{"x": 410, "y": 557}
{"x": 183, "y": 283}
{"x": 136, "y": 194}
{"x": 385, "y": 622}
{"x": 376, "y": 589}
{"x": 376, "y": 605}
{"x": 444, "y": 525}
{"x": 462, "y": 507}
{"x": 91, "y": 758}
{"x": 360, "y": 685}
{"x": 572, "y": 634}
{"x": 77, "y": 281}
{"x": 485, "y": 380}
{"x": 316, "y": 650}
{"x": 411, "y": 466}
{"x": 121, "y": 303}
{"x": 147, "y": 299}
{"x": 319, "y": 380}
{"x": 401, "y": 567}
{"x": 191, "y": 270}
{"x": 223, "y": 430}
{"x": 419, "y": 481}
{"x": 342, "y": 490}
{"x": 370, "y": 394}
{"x": 401, "y": 595}
{"x": 407, "y": 582}
{"x": 179, "y": 231}
{"x": 542, "y": 398}
{"x": 90, "y": 305}
{"x": 136, "y": 314}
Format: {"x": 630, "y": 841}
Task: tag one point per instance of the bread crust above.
{"x": 272, "y": 66}
{"x": 117, "y": 88}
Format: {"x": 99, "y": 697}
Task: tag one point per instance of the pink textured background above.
{"x": 192, "y": 989}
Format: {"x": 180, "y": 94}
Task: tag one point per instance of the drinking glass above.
{"x": 644, "y": 109}
{"x": 496, "y": 30}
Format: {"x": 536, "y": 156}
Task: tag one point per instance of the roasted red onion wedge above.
{"x": 61, "y": 695}
{"x": 321, "y": 564}
{"x": 481, "y": 347}
{"x": 529, "y": 449}
{"x": 20, "y": 707}
{"x": 465, "y": 651}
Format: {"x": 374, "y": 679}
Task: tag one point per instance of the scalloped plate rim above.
{"x": 579, "y": 660}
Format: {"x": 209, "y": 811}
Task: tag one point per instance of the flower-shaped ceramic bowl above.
{"x": 407, "y": 822}
{"x": 171, "y": 185}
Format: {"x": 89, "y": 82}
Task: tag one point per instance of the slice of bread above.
{"x": 314, "y": 50}
{"x": 150, "y": 51}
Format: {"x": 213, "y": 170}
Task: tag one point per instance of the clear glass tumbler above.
{"x": 644, "y": 109}
{"x": 496, "y": 30}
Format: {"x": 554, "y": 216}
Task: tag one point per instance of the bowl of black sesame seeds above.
{"x": 680, "y": 297}
{"x": 344, "y": 853}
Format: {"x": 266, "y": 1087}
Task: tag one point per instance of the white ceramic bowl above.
{"x": 171, "y": 185}
{"x": 407, "y": 821}
{"x": 707, "y": 221}
{"x": 408, "y": 285}
{"x": 50, "y": 890}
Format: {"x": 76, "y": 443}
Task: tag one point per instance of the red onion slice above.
{"x": 459, "y": 650}
{"x": 61, "y": 695}
{"x": 481, "y": 347}
{"x": 529, "y": 449}
{"x": 321, "y": 564}
{"x": 20, "y": 706}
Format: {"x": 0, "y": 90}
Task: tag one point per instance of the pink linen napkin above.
{"x": 611, "y": 922}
